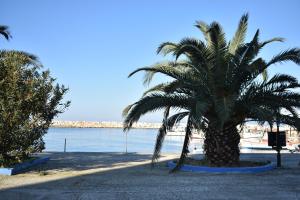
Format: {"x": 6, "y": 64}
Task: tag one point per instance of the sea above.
{"x": 108, "y": 140}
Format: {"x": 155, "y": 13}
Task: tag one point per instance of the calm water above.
{"x": 108, "y": 140}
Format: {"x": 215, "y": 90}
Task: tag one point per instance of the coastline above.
{"x": 104, "y": 124}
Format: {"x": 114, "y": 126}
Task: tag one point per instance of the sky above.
{"x": 92, "y": 46}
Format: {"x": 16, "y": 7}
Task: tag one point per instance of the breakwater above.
{"x": 89, "y": 124}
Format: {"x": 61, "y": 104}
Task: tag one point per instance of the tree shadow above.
{"x": 78, "y": 161}
{"x": 103, "y": 172}
{"x": 129, "y": 176}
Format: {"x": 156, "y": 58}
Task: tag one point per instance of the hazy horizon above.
{"x": 91, "y": 46}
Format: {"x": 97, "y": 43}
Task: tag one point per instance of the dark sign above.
{"x": 276, "y": 139}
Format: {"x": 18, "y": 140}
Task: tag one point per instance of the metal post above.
{"x": 278, "y": 148}
{"x": 65, "y": 146}
{"x": 126, "y": 142}
{"x": 278, "y": 157}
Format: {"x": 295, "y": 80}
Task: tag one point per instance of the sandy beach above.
{"x": 129, "y": 176}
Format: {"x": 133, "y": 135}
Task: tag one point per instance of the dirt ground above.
{"x": 129, "y": 176}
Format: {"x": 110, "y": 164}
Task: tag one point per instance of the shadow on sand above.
{"x": 129, "y": 176}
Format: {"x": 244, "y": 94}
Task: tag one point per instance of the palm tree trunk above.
{"x": 222, "y": 147}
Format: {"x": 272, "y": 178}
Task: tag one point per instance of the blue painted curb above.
{"x": 243, "y": 170}
{"x": 22, "y": 166}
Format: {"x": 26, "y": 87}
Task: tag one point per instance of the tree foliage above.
{"x": 218, "y": 85}
{"x": 29, "y": 100}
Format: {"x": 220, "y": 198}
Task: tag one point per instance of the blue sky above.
{"x": 91, "y": 46}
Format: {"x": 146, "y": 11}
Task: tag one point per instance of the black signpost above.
{"x": 277, "y": 140}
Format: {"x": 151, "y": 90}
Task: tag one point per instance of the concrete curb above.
{"x": 22, "y": 166}
{"x": 238, "y": 170}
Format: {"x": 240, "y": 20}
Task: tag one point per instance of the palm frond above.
{"x": 291, "y": 121}
{"x": 260, "y": 113}
{"x": 281, "y": 78}
{"x": 157, "y": 88}
{"x": 160, "y": 137}
{"x": 283, "y": 87}
{"x": 276, "y": 101}
{"x": 165, "y": 87}
{"x": 185, "y": 148}
{"x": 217, "y": 37}
{"x": 249, "y": 51}
{"x": 176, "y": 118}
{"x": 166, "y": 48}
{"x": 190, "y": 46}
{"x": 126, "y": 110}
{"x": 195, "y": 51}
{"x": 203, "y": 27}
{"x": 240, "y": 34}
{"x": 5, "y": 32}
{"x": 176, "y": 70}
{"x": 293, "y": 112}
{"x": 201, "y": 107}
{"x": 292, "y": 55}
{"x": 155, "y": 102}
{"x": 276, "y": 39}
{"x": 246, "y": 74}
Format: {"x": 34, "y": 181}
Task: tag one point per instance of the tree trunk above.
{"x": 6, "y": 159}
{"x": 222, "y": 147}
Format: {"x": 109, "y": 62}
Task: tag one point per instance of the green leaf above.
{"x": 240, "y": 34}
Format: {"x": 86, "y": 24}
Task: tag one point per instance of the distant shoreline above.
{"x": 100, "y": 127}
{"x": 87, "y": 124}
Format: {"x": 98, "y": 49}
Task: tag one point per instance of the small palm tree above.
{"x": 217, "y": 86}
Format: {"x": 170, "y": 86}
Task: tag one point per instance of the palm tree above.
{"x": 218, "y": 85}
{"x": 4, "y": 32}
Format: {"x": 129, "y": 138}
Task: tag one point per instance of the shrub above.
{"x": 29, "y": 100}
